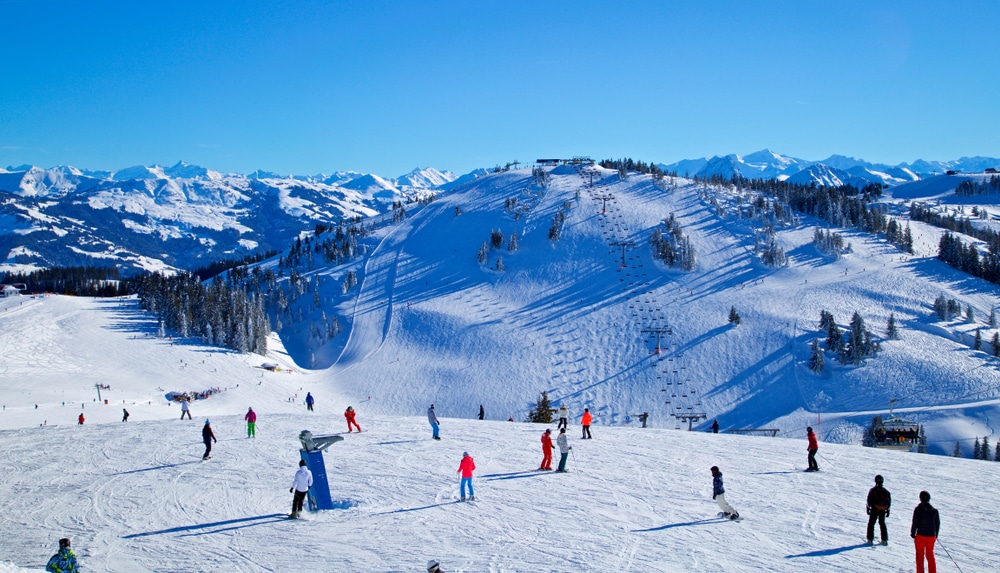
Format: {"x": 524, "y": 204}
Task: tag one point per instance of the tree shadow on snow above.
{"x": 259, "y": 520}
{"x": 828, "y": 552}
{"x": 163, "y": 467}
{"x": 686, "y": 524}
{"x": 409, "y": 509}
{"x": 512, "y": 475}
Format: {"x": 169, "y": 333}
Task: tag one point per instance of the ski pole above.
{"x": 949, "y": 556}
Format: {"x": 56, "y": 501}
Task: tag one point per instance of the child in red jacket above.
{"x": 546, "y": 451}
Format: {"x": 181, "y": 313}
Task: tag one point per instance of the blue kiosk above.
{"x": 312, "y": 453}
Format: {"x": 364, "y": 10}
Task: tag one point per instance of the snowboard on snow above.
{"x": 722, "y": 515}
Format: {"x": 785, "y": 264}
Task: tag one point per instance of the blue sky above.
{"x": 309, "y": 86}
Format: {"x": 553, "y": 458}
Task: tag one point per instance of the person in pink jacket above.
{"x": 251, "y": 419}
{"x": 466, "y": 468}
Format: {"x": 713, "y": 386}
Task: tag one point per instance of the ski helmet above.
{"x": 64, "y": 543}
{"x": 878, "y": 479}
{"x": 206, "y": 422}
{"x": 433, "y": 564}
{"x": 465, "y": 454}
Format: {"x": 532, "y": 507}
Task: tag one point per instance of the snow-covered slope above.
{"x": 134, "y": 497}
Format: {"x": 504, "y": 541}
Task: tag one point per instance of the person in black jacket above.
{"x": 924, "y": 531}
{"x": 207, "y": 436}
{"x": 877, "y": 508}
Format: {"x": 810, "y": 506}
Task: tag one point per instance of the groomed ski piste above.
{"x": 428, "y": 324}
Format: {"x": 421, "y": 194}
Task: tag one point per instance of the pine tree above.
{"x": 891, "y": 332}
{"x": 869, "y": 439}
{"x": 816, "y": 361}
{"x": 996, "y": 454}
{"x": 958, "y": 450}
{"x": 499, "y": 266}
{"x": 969, "y": 314}
{"x": 513, "y": 245}
{"x": 993, "y": 318}
{"x": 975, "y": 449}
{"x": 984, "y": 450}
{"x": 977, "y": 344}
{"x": 483, "y": 253}
{"x": 941, "y": 307}
{"x": 734, "y": 317}
{"x": 996, "y": 344}
{"x": 542, "y": 412}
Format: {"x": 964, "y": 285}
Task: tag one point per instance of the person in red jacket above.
{"x": 546, "y": 451}
{"x": 80, "y": 419}
{"x": 585, "y": 422}
{"x": 349, "y": 414}
{"x": 813, "y": 448}
{"x": 466, "y": 468}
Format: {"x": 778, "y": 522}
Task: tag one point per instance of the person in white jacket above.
{"x": 300, "y": 487}
{"x": 564, "y": 449}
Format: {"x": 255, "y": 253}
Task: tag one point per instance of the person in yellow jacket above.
{"x": 585, "y": 422}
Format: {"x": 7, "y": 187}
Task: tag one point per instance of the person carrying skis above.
{"x": 64, "y": 561}
{"x": 79, "y": 419}
{"x": 546, "y": 450}
{"x": 877, "y": 507}
{"x": 301, "y": 483}
{"x": 433, "y": 420}
{"x": 813, "y": 447}
{"x": 466, "y": 467}
{"x": 207, "y": 436}
{"x": 585, "y": 422}
{"x": 349, "y": 414}
{"x": 564, "y": 449}
{"x": 924, "y": 530}
{"x": 186, "y": 408}
{"x": 251, "y": 419}
{"x": 309, "y": 401}
{"x": 563, "y": 417}
{"x": 719, "y": 495}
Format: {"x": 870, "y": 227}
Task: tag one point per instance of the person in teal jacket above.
{"x": 64, "y": 561}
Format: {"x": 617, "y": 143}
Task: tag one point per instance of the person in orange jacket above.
{"x": 813, "y": 447}
{"x": 546, "y": 451}
{"x": 466, "y": 468}
{"x": 80, "y": 419}
{"x": 585, "y": 422}
{"x": 349, "y": 414}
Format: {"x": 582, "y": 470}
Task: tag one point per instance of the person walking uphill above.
{"x": 813, "y": 447}
{"x": 563, "y": 417}
{"x": 310, "y": 401}
{"x": 719, "y": 495}
{"x": 466, "y": 467}
{"x": 207, "y": 436}
{"x": 877, "y": 506}
{"x": 64, "y": 561}
{"x": 433, "y": 420}
{"x": 349, "y": 414}
{"x": 251, "y": 419}
{"x": 546, "y": 450}
{"x": 300, "y": 487}
{"x": 585, "y": 422}
{"x": 564, "y": 449}
{"x": 924, "y": 530}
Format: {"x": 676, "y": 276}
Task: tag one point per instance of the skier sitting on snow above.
{"x": 719, "y": 495}
{"x": 64, "y": 561}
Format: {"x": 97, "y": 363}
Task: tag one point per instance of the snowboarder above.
{"x": 433, "y": 566}
{"x": 207, "y": 436}
{"x": 309, "y": 401}
{"x": 124, "y": 415}
{"x": 877, "y": 508}
{"x": 466, "y": 467}
{"x": 482, "y": 412}
{"x": 564, "y": 449}
{"x": 924, "y": 530}
{"x": 433, "y": 420}
{"x": 719, "y": 495}
{"x": 563, "y": 417}
{"x": 186, "y": 408}
{"x": 585, "y": 422}
{"x": 79, "y": 420}
{"x": 64, "y": 561}
{"x": 715, "y": 426}
{"x": 643, "y": 417}
{"x": 300, "y": 487}
{"x": 251, "y": 419}
{"x": 349, "y": 414}
{"x": 813, "y": 447}
{"x": 546, "y": 450}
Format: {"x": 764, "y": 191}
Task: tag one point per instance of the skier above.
{"x": 207, "y": 436}
{"x": 433, "y": 420}
{"x": 813, "y": 447}
{"x": 877, "y": 508}
{"x": 300, "y": 487}
{"x": 719, "y": 495}
{"x": 482, "y": 413}
{"x": 309, "y": 401}
{"x": 546, "y": 450}
{"x": 715, "y": 426}
{"x": 564, "y": 449}
{"x": 585, "y": 422}
{"x": 251, "y": 419}
{"x": 79, "y": 420}
{"x": 64, "y": 561}
{"x": 563, "y": 417}
{"x": 349, "y": 414}
{"x": 124, "y": 415}
{"x": 643, "y": 417}
{"x": 433, "y": 566}
{"x": 466, "y": 467}
{"x": 185, "y": 408}
{"x": 924, "y": 530}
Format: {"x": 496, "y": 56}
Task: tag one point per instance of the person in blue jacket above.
{"x": 64, "y": 561}
{"x": 309, "y": 401}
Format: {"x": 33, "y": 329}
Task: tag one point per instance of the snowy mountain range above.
{"x": 834, "y": 170}
{"x": 181, "y": 217}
